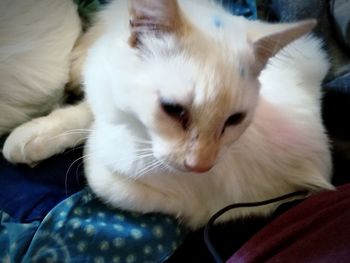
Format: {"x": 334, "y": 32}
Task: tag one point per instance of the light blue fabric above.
{"x": 15, "y": 237}
{"x": 82, "y": 229}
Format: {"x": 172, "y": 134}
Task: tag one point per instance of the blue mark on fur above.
{"x": 217, "y": 21}
{"x": 241, "y": 71}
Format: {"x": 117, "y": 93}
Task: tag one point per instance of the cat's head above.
{"x": 199, "y": 82}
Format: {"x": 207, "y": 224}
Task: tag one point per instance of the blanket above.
{"x": 82, "y": 229}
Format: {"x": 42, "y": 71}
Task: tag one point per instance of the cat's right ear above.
{"x": 154, "y": 17}
{"x": 268, "y": 39}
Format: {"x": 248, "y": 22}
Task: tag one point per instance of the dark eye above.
{"x": 176, "y": 111}
{"x": 235, "y": 119}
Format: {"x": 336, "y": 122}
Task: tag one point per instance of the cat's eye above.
{"x": 235, "y": 119}
{"x": 176, "y": 111}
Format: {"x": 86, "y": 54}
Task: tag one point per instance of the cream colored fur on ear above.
{"x": 268, "y": 39}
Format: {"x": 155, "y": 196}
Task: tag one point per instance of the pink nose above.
{"x": 197, "y": 168}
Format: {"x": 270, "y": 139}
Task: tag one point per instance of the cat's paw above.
{"x": 37, "y": 140}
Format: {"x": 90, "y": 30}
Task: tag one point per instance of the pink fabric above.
{"x": 316, "y": 230}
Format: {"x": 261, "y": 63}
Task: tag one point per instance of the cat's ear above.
{"x": 153, "y": 17}
{"x": 268, "y": 39}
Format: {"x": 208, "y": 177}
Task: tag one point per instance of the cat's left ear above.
{"x": 268, "y": 39}
{"x": 153, "y": 17}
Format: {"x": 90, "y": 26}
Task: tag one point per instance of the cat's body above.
{"x": 36, "y": 40}
{"x": 180, "y": 123}
{"x": 136, "y": 155}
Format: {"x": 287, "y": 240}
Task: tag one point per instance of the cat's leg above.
{"x": 43, "y": 137}
{"x": 129, "y": 194}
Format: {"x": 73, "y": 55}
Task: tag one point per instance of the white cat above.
{"x": 189, "y": 118}
{"x": 181, "y": 126}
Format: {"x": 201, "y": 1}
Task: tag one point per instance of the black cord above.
{"x": 211, "y": 221}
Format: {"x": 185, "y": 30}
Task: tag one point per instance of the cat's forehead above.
{"x": 213, "y": 74}
{"x": 217, "y": 86}
{"x": 221, "y": 69}
{"x": 178, "y": 77}
{"x": 196, "y": 80}
{"x": 199, "y": 70}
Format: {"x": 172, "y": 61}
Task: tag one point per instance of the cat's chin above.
{"x": 181, "y": 170}
{"x": 173, "y": 167}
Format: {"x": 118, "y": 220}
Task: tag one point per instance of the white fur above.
{"x": 43, "y": 137}
{"x": 283, "y": 149}
{"x": 36, "y": 40}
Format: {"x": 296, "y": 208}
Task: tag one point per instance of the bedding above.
{"x": 48, "y": 215}
{"x": 81, "y": 229}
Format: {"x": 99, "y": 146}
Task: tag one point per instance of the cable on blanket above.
{"x": 210, "y": 223}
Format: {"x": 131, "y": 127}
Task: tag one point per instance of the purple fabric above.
{"x": 316, "y": 230}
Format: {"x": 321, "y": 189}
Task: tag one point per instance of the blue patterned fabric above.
{"x": 82, "y": 229}
{"x": 15, "y": 237}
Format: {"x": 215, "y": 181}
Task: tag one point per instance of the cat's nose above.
{"x": 197, "y": 168}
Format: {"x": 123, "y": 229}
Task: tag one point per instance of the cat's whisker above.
{"x": 153, "y": 165}
{"x": 87, "y": 130}
{"x": 144, "y": 151}
{"x": 150, "y": 164}
{"x": 86, "y": 156}
{"x": 140, "y": 154}
{"x": 130, "y": 158}
{"x": 78, "y": 145}
{"x": 78, "y": 168}
{"x": 74, "y": 148}
{"x": 143, "y": 156}
{"x": 74, "y": 131}
{"x": 80, "y": 130}
{"x": 71, "y": 132}
{"x": 81, "y": 141}
{"x": 142, "y": 142}
{"x": 164, "y": 167}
